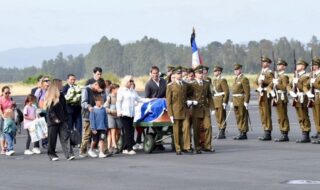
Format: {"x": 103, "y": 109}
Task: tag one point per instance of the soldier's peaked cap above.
{"x": 316, "y": 61}
{"x": 177, "y": 69}
{"x": 282, "y": 62}
{"x": 198, "y": 69}
{"x": 302, "y": 62}
{"x": 217, "y": 68}
{"x": 266, "y": 59}
{"x": 237, "y": 66}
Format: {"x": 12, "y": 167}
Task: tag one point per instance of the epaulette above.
{"x": 170, "y": 84}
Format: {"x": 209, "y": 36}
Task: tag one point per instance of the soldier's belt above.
{"x": 237, "y": 95}
{"x": 316, "y": 91}
{"x": 218, "y": 94}
{"x": 281, "y": 91}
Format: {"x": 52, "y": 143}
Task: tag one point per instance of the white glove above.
{"x": 292, "y": 94}
{"x": 189, "y": 103}
{"x": 260, "y": 89}
{"x": 171, "y": 118}
{"x": 246, "y": 105}
{"x": 213, "y": 112}
{"x": 231, "y": 104}
{"x": 224, "y": 105}
{"x": 272, "y": 94}
{"x": 275, "y": 81}
{"x": 295, "y": 80}
{"x": 310, "y": 95}
{"x": 312, "y": 80}
{"x": 261, "y": 78}
{"x": 195, "y": 102}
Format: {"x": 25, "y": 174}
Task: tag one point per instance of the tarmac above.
{"x": 249, "y": 164}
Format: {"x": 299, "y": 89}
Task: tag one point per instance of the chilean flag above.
{"x": 196, "y": 57}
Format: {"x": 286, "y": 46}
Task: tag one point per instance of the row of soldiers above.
{"x": 192, "y": 94}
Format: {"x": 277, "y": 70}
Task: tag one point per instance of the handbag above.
{"x": 38, "y": 129}
{"x": 75, "y": 137}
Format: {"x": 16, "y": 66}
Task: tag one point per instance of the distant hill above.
{"x": 26, "y": 57}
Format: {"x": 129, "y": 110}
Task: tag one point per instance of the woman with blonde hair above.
{"x": 126, "y": 98}
{"x": 57, "y": 123}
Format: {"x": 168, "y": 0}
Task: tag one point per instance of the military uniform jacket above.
{"x": 176, "y": 96}
{"x": 301, "y": 88}
{"x": 220, "y": 92}
{"x": 281, "y": 88}
{"x": 240, "y": 90}
{"x": 316, "y": 86}
{"x": 202, "y": 94}
{"x": 268, "y": 76}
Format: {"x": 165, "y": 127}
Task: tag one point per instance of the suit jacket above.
{"x": 152, "y": 90}
{"x": 70, "y": 107}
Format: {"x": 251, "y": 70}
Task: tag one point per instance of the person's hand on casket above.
{"x": 171, "y": 118}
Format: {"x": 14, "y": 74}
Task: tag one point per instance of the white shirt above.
{"x": 126, "y": 99}
{"x": 157, "y": 82}
{"x": 199, "y": 81}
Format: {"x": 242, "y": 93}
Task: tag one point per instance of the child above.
{"x": 98, "y": 124}
{"x": 9, "y": 130}
{"x": 114, "y": 125}
{"x": 29, "y": 114}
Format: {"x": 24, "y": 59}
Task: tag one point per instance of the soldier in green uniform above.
{"x": 220, "y": 100}
{"x": 315, "y": 82}
{"x": 240, "y": 101}
{"x": 278, "y": 90}
{"x": 300, "y": 91}
{"x": 263, "y": 81}
{"x": 202, "y": 108}
{"x": 169, "y": 73}
{"x": 206, "y": 73}
{"x": 176, "y": 96}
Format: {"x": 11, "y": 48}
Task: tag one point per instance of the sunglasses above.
{"x": 46, "y": 80}
{"x": 7, "y": 93}
{"x": 131, "y": 80}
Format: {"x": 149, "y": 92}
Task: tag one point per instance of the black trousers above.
{"x": 64, "y": 136}
{"x": 75, "y": 121}
{"x": 128, "y": 132}
{"x": 35, "y": 144}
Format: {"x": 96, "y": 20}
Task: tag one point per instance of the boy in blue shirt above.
{"x": 99, "y": 125}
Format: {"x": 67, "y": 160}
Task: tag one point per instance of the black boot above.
{"x": 316, "y": 135}
{"x": 284, "y": 137}
{"x": 316, "y": 142}
{"x": 305, "y": 138}
{"x": 222, "y": 134}
{"x": 241, "y": 136}
{"x": 266, "y": 136}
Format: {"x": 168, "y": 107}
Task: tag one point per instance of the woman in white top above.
{"x": 126, "y": 99}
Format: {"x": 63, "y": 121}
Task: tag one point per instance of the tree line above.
{"x": 136, "y": 58}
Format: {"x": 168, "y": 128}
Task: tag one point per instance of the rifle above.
{"x": 311, "y": 100}
{"x": 275, "y": 99}
{"x": 295, "y": 75}
{"x": 260, "y": 85}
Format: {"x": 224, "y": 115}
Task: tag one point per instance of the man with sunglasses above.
{"x": 87, "y": 104}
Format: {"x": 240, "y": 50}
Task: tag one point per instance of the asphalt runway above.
{"x": 250, "y": 164}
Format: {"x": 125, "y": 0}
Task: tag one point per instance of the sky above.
{"x": 34, "y": 23}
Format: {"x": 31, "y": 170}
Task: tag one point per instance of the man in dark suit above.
{"x": 33, "y": 90}
{"x": 73, "y": 108}
{"x": 156, "y": 88}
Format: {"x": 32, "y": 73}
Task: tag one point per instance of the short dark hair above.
{"x": 5, "y": 87}
{"x": 101, "y": 83}
{"x": 70, "y": 75}
{"x": 39, "y": 78}
{"x": 108, "y": 82}
{"x": 113, "y": 86}
{"x": 97, "y": 69}
{"x": 154, "y": 68}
